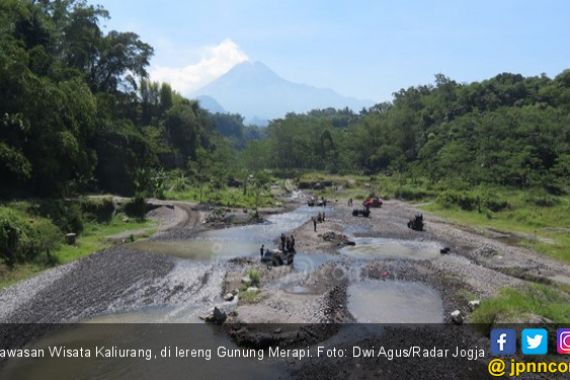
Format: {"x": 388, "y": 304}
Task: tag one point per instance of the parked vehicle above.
{"x": 372, "y": 202}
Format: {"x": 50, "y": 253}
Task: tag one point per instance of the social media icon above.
{"x": 534, "y": 341}
{"x": 503, "y": 341}
{"x": 563, "y": 341}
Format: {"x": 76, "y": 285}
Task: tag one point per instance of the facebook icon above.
{"x": 503, "y": 341}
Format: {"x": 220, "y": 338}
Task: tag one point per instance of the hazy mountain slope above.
{"x": 210, "y": 104}
{"x": 255, "y": 91}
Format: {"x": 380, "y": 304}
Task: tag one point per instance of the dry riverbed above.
{"x": 200, "y": 259}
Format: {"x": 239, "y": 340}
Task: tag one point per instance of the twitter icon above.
{"x": 534, "y": 342}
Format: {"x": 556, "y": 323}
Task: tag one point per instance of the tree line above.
{"x": 508, "y": 130}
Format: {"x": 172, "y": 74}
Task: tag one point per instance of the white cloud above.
{"x": 216, "y": 61}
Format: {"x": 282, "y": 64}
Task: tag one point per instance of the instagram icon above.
{"x": 563, "y": 341}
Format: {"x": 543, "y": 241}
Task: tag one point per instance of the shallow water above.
{"x": 230, "y": 242}
{"x": 375, "y": 301}
{"x": 382, "y": 248}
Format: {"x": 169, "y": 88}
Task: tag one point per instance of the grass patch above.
{"x": 95, "y": 236}
{"x": 465, "y": 295}
{"x": 255, "y": 276}
{"x": 250, "y": 297}
{"x": 513, "y": 304}
{"x": 545, "y": 227}
{"x": 226, "y": 197}
{"x": 93, "y": 239}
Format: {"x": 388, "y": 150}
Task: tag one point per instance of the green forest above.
{"x": 507, "y": 130}
{"x": 79, "y": 116}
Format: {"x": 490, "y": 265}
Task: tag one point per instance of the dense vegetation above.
{"x": 77, "y": 112}
{"x": 508, "y": 130}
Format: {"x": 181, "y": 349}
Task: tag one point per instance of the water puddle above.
{"x": 308, "y": 263}
{"x": 381, "y": 248}
{"x": 230, "y": 242}
{"x": 354, "y": 229}
{"x": 374, "y": 301}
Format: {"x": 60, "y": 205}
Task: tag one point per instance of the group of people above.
{"x": 287, "y": 243}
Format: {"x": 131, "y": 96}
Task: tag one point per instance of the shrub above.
{"x": 465, "y": 201}
{"x": 100, "y": 210}
{"x": 410, "y": 193}
{"x": 23, "y": 239}
{"x": 44, "y": 236}
{"x": 496, "y": 204}
{"x": 255, "y": 277}
{"x": 136, "y": 207}
{"x": 64, "y": 214}
{"x": 542, "y": 200}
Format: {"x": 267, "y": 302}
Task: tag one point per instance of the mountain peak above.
{"x": 255, "y": 91}
{"x": 251, "y": 69}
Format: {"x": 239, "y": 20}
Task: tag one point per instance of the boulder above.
{"x": 252, "y": 289}
{"x": 228, "y": 297}
{"x": 215, "y": 316}
{"x": 219, "y": 316}
{"x": 246, "y": 280}
{"x": 456, "y": 317}
{"x": 474, "y": 304}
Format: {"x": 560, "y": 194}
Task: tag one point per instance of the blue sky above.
{"x": 366, "y": 49}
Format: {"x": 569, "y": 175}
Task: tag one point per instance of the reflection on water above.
{"x": 375, "y": 301}
{"x": 381, "y": 248}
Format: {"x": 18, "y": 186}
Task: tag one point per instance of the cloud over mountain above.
{"x": 216, "y": 61}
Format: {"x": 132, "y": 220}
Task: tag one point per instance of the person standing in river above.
{"x": 314, "y": 223}
{"x": 262, "y": 249}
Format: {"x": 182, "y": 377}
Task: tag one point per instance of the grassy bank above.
{"x": 226, "y": 197}
{"x": 41, "y": 243}
{"x": 524, "y": 304}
